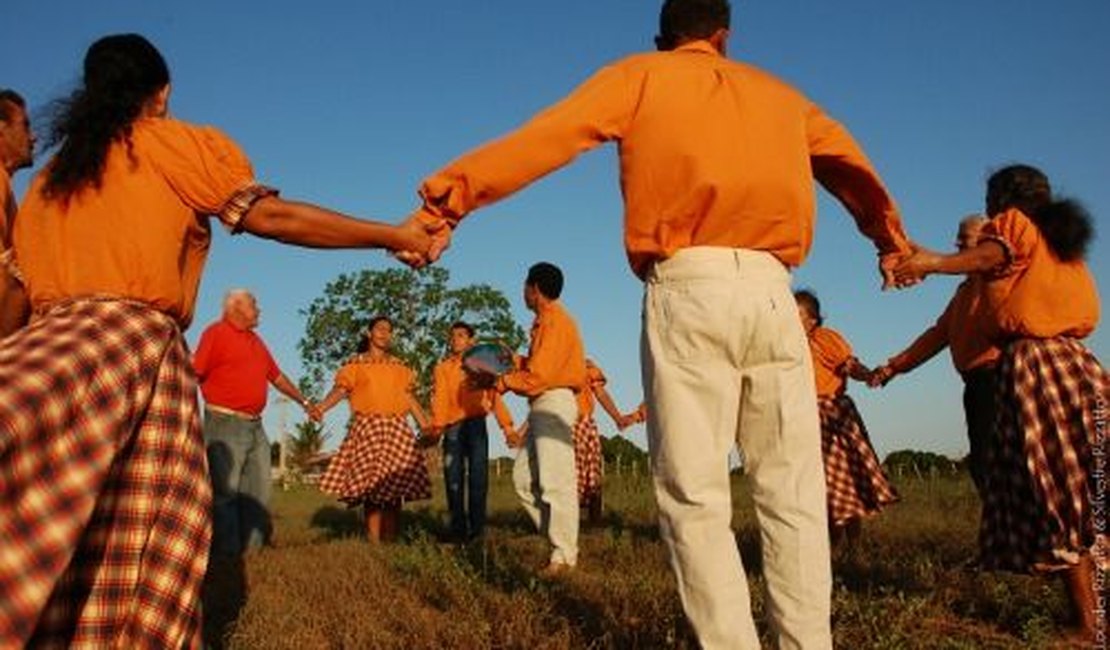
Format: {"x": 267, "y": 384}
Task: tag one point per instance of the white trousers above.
{"x": 725, "y": 361}
{"x": 544, "y": 474}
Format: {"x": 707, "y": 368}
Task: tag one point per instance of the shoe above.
{"x": 555, "y": 569}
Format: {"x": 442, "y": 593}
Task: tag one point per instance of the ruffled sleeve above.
{"x": 1017, "y": 235}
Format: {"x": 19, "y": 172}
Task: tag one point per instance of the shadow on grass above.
{"x": 223, "y": 596}
{"x": 338, "y": 523}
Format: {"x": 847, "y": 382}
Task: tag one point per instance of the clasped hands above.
{"x": 423, "y": 238}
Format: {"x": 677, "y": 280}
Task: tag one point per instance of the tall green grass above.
{"x": 907, "y": 585}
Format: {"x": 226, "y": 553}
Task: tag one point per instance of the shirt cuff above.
{"x": 236, "y": 207}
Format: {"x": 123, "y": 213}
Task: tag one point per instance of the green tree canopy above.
{"x": 422, "y": 308}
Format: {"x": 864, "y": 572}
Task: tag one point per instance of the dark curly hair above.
{"x": 122, "y": 73}
{"x": 364, "y": 340}
{"x": 1064, "y": 223}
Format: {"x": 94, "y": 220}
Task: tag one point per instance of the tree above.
{"x": 422, "y": 308}
{"x": 306, "y": 444}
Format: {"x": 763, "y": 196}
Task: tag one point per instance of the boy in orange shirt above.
{"x": 549, "y": 376}
{"x": 1043, "y": 479}
{"x": 459, "y": 410}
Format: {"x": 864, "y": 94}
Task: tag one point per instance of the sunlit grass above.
{"x": 908, "y": 585}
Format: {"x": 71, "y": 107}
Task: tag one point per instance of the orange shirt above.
{"x": 556, "y": 357}
{"x": 712, "y": 153}
{"x": 1034, "y": 294}
{"x": 595, "y": 379}
{"x": 830, "y": 353}
{"x": 142, "y": 233}
{"x": 376, "y": 386}
{"x": 454, "y": 399}
{"x": 961, "y": 328}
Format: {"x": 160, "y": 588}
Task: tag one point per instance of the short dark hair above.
{"x": 462, "y": 325}
{"x": 687, "y": 20}
{"x": 547, "y": 278}
{"x": 809, "y": 300}
{"x": 9, "y": 97}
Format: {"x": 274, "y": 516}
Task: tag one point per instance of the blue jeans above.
{"x": 466, "y": 463}
{"x": 239, "y": 467}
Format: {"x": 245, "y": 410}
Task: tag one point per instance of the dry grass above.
{"x": 322, "y": 586}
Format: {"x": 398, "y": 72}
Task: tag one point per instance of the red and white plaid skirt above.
{"x": 587, "y": 458}
{"x": 1041, "y": 508}
{"x": 378, "y": 464}
{"x": 104, "y": 493}
{"x": 854, "y": 478}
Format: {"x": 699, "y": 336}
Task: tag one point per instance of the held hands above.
{"x": 515, "y": 439}
{"x": 423, "y": 238}
{"x": 913, "y": 269}
{"x": 887, "y": 265}
{"x": 313, "y": 411}
{"x": 881, "y": 376}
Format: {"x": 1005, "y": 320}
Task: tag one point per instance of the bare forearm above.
{"x": 606, "y": 402}
{"x": 311, "y": 226}
{"x": 333, "y": 398}
{"x": 289, "y": 389}
{"x": 984, "y": 257}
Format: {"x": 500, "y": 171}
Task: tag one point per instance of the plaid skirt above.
{"x": 104, "y": 493}
{"x": 587, "y": 458}
{"x": 378, "y": 464}
{"x": 854, "y": 480}
{"x": 1045, "y": 474}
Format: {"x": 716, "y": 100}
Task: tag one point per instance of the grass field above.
{"x": 323, "y": 586}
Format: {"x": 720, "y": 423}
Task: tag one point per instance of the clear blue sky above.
{"x": 351, "y": 104}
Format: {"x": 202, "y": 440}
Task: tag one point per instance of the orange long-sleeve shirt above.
{"x": 556, "y": 357}
{"x": 1034, "y": 294}
{"x": 376, "y": 386}
{"x": 961, "y": 328}
{"x": 712, "y": 153}
{"x": 830, "y": 352}
{"x": 142, "y": 233}
{"x": 454, "y": 399}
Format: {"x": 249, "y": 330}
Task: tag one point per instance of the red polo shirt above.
{"x": 234, "y": 368}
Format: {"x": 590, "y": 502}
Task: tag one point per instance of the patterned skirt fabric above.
{"x": 587, "y": 458}
{"x": 854, "y": 479}
{"x": 378, "y": 464}
{"x": 1041, "y": 509}
{"x": 104, "y": 494}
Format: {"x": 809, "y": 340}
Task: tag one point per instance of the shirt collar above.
{"x": 702, "y": 46}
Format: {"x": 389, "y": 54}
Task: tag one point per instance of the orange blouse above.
{"x": 830, "y": 354}
{"x": 556, "y": 357}
{"x": 961, "y": 328}
{"x": 377, "y": 386}
{"x": 713, "y": 152}
{"x": 1034, "y": 294}
{"x": 595, "y": 379}
{"x": 142, "y": 233}
{"x": 454, "y": 399}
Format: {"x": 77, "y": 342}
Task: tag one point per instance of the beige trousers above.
{"x": 544, "y": 474}
{"x": 725, "y": 361}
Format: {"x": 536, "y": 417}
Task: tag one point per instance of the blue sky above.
{"x": 350, "y": 105}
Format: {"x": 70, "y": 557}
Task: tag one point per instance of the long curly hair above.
{"x": 122, "y": 73}
{"x": 1064, "y": 223}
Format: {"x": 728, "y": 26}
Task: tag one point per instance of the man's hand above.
{"x": 913, "y": 269}
{"x": 424, "y": 238}
{"x": 313, "y": 411}
{"x": 889, "y": 262}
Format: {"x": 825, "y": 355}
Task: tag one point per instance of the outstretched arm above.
{"x": 330, "y": 400}
{"x": 311, "y": 226}
{"x": 987, "y": 255}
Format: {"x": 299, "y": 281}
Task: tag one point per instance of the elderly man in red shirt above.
{"x": 235, "y": 368}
